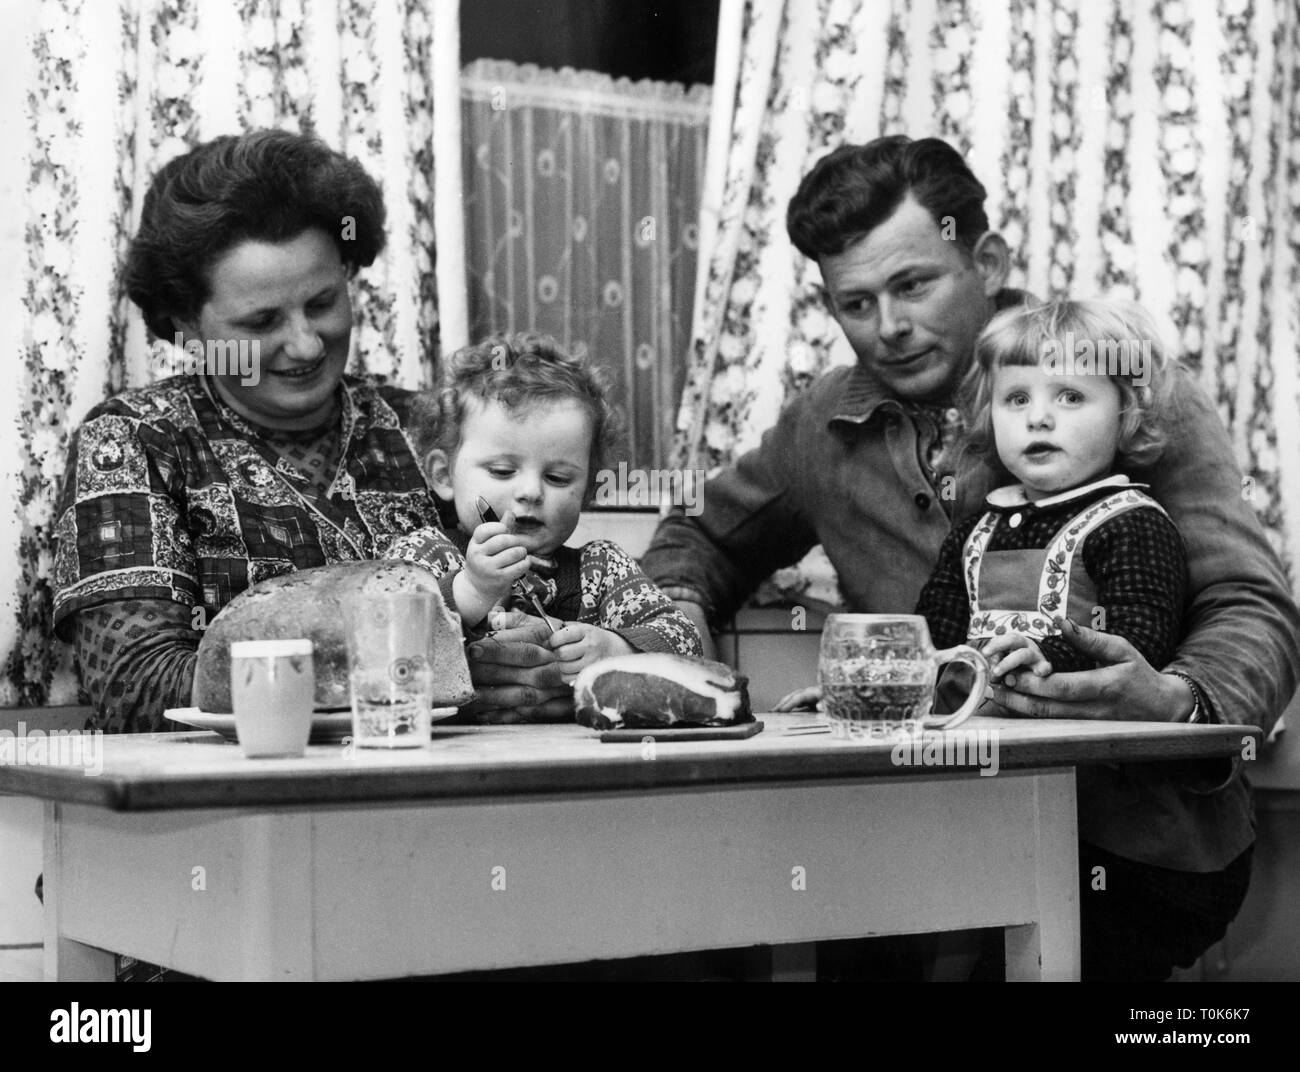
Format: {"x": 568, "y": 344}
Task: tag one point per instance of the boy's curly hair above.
{"x": 1019, "y": 336}
{"x": 519, "y": 371}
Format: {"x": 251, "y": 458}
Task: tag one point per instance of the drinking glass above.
{"x": 390, "y": 636}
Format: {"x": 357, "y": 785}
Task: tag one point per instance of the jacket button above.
{"x": 922, "y": 500}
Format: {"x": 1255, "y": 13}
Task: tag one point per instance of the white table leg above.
{"x": 66, "y": 959}
{"x": 1049, "y": 949}
{"x": 276, "y": 897}
{"x": 69, "y": 961}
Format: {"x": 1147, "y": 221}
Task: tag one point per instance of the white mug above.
{"x": 272, "y": 689}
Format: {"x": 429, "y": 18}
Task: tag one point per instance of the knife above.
{"x": 487, "y": 515}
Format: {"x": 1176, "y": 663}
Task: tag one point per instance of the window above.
{"x": 583, "y": 187}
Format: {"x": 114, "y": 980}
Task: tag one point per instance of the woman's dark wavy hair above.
{"x": 270, "y": 185}
{"x": 519, "y": 371}
{"x": 854, "y": 189}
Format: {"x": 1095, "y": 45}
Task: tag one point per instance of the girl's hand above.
{"x": 578, "y": 645}
{"x": 1012, "y": 651}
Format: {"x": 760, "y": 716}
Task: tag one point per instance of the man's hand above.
{"x": 1011, "y": 651}
{"x": 1124, "y": 687}
{"x": 516, "y": 676}
{"x": 701, "y": 622}
{"x": 806, "y": 699}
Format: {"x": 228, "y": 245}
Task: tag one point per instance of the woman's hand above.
{"x": 1124, "y": 687}
{"x": 516, "y": 677}
{"x": 578, "y": 645}
{"x": 494, "y": 560}
{"x": 1011, "y": 651}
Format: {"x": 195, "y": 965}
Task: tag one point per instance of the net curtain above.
{"x": 582, "y": 223}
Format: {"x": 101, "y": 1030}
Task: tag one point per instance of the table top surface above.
{"x": 200, "y": 770}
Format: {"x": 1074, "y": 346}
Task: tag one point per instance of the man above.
{"x": 912, "y": 273}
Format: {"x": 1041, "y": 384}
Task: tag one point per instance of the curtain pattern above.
{"x": 582, "y": 201}
{"x": 1135, "y": 148}
{"x": 118, "y": 87}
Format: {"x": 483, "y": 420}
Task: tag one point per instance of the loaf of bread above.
{"x": 313, "y": 603}
{"x": 660, "y": 690}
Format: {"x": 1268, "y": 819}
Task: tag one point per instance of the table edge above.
{"x": 623, "y": 768}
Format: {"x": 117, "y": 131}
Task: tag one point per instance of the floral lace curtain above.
{"x": 582, "y": 202}
{"x": 1148, "y": 150}
{"x": 113, "y": 89}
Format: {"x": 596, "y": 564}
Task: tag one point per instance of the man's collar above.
{"x": 1013, "y": 496}
{"x": 864, "y": 393}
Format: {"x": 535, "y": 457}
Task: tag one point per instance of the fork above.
{"x": 487, "y": 515}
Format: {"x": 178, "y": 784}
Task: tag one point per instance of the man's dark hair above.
{"x": 854, "y": 189}
{"x": 269, "y": 186}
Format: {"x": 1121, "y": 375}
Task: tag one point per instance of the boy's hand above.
{"x": 494, "y": 560}
{"x": 578, "y": 645}
{"x": 1013, "y": 651}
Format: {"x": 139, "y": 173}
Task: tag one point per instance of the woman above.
{"x": 266, "y": 459}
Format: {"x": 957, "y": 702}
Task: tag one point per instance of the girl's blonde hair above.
{"x": 1032, "y": 335}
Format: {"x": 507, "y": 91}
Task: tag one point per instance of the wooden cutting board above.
{"x": 682, "y": 733}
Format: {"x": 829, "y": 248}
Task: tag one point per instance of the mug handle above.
{"x": 962, "y": 653}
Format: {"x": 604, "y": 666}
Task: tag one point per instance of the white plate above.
{"x": 327, "y": 727}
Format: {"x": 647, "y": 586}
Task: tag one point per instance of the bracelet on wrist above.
{"x": 1198, "y": 706}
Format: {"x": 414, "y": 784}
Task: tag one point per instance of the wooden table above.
{"x": 512, "y": 846}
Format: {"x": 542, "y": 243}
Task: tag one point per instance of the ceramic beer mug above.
{"x": 877, "y": 674}
{"x": 272, "y": 689}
